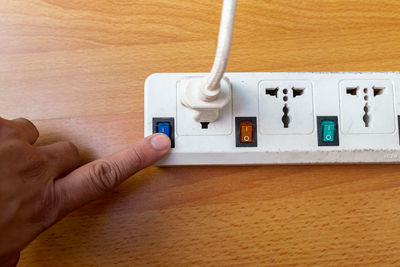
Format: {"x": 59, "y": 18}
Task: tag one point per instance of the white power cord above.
{"x": 206, "y": 96}
{"x": 224, "y": 46}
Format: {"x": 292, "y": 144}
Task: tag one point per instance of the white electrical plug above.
{"x": 206, "y": 96}
{"x": 206, "y": 107}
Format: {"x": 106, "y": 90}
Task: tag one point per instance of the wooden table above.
{"x": 77, "y": 68}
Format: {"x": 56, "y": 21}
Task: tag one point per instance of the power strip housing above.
{"x": 289, "y": 112}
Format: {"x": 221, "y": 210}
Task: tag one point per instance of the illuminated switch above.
{"x": 246, "y": 132}
{"x": 328, "y": 131}
{"x": 164, "y": 127}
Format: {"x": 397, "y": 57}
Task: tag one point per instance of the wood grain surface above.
{"x": 77, "y": 69}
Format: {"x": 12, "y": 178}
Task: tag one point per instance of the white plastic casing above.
{"x": 321, "y": 94}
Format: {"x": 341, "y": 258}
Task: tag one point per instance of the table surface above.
{"x": 77, "y": 69}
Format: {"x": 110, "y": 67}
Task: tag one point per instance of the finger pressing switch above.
{"x": 246, "y": 132}
{"x": 165, "y": 126}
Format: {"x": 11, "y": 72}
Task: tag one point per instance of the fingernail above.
{"x": 160, "y": 142}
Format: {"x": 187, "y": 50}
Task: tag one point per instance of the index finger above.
{"x": 94, "y": 179}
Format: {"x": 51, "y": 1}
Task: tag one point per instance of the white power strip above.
{"x": 282, "y": 118}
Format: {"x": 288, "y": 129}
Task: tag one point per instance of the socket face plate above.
{"x": 367, "y": 102}
{"x": 285, "y": 136}
{"x": 290, "y": 99}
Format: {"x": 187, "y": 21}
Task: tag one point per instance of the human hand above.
{"x": 39, "y": 185}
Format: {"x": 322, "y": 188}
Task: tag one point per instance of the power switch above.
{"x": 246, "y": 132}
{"x": 164, "y": 127}
{"x": 328, "y": 129}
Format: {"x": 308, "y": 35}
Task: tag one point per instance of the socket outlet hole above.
{"x": 285, "y": 98}
{"x": 365, "y": 90}
{"x": 366, "y": 117}
{"x": 297, "y": 92}
{"x": 272, "y": 91}
{"x": 351, "y": 90}
{"x": 285, "y": 91}
{"x": 285, "y": 117}
{"x": 204, "y": 125}
{"x": 378, "y": 90}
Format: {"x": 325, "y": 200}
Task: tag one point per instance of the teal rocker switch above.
{"x": 328, "y": 129}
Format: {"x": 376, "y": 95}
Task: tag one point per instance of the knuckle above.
{"x": 22, "y": 159}
{"x": 35, "y": 167}
{"x": 24, "y": 121}
{"x": 70, "y": 148}
{"x": 3, "y": 122}
{"x": 32, "y": 164}
{"x": 29, "y": 124}
{"x": 7, "y": 132}
{"x": 11, "y": 147}
{"x": 104, "y": 175}
{"x": 74, "y": 152}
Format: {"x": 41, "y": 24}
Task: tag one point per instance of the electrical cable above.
{"x": 223, "y": 47}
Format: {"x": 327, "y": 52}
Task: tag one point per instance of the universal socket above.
{"x": 286, "y": 107}
{"x": 367, "y": 107}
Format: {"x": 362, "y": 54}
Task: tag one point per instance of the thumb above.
{"x": 94, "y": 179}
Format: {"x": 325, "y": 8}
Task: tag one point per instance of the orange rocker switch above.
{"x": 246, "y": 132}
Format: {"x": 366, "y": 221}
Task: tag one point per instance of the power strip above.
{"x": 282, "y": 118}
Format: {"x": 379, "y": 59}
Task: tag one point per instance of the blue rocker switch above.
{"x": 164, "y": 127}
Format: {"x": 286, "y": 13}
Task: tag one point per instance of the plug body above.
{"x": 205, "y": 105}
